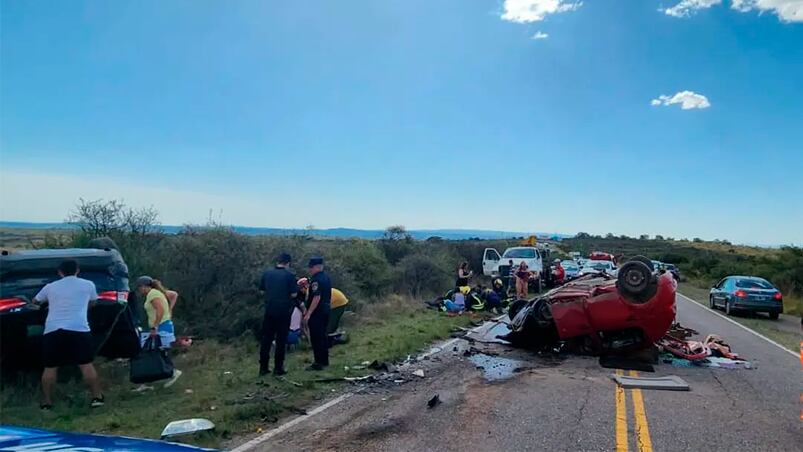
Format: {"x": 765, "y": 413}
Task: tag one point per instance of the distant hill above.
{"x": 420, "y": 234}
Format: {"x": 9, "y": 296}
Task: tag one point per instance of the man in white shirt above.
{"x": 67, "y": 339}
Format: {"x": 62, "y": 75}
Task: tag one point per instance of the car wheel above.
{"x": 728, "y": 307}
{"x": 515, "y": 307}
{"x": 636, "y": 282}
{"x": 711, "y": 302}
{"x": 774, "y": 315}
{"x": 644, "y": 260}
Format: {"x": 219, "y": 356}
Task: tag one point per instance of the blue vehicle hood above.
{"x": 32, "y": 440}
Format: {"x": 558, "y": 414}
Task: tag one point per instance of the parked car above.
{"x": 599, "y": 312}
{"x": 30, "y": 439}
{"x": 24, "y": 273}
{"x": 746, "y": 293}
{"x": 672, "y": 268}
{"x": 593, "y": 266}
{"x": 495, "y": 265}
{"x": 601, "y": 256}
{"x": 571, "y": 268}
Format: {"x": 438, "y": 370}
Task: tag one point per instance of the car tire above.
{"x": 711, "y": 303}
{"x": 636, "y": 282}
{"x": 774, "y": 315}
{"x": 728, "y": 310}
{"x": 515, "y": 307}
{"x": 644, "y": 260}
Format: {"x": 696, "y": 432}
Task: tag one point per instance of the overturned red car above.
{"x": 599, "y": 313}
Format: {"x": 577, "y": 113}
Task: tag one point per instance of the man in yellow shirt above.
{"x": 338, "y": 304}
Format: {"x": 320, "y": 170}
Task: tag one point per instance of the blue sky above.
{"x": 431, "y": 114}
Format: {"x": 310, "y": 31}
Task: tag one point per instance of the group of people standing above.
{"x": 283, "y": 297}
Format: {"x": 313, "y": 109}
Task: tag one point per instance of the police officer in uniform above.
{"x": 317, "y": 315}
{"x": 280, "y": 288}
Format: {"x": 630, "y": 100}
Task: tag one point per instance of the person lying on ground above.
{"x": 458, "y": 302}
{"x": 67, "y": 339}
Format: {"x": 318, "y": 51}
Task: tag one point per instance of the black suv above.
{"x": 24, "y": 273}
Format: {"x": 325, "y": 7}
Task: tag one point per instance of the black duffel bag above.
{"x": 152, "y": 363}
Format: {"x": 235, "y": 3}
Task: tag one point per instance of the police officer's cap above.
{"x": 315, "y": 261}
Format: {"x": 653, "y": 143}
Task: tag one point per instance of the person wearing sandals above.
{"x": 158, "y": 304}
{"x": 67, "y": 339}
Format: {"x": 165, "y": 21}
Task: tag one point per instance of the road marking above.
{"x": 707, "y": 309}
{"x": 643, "y": 441}
{"x": 262, "y": 438}
{"x": 621, "y": 418}
{"x": 250, "y": 445}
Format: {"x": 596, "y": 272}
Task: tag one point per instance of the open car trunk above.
{"x": 111, "y": 319}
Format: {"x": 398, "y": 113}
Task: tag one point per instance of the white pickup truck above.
{"x": 491, "y": 260}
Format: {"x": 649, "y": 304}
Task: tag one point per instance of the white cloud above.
{"x": 787, "y": 10}
{"x": 540, "y": 35}
{"x": 688, "y": 100}
{"x": 526, "y": 11}
{"x": 688, "y": 7}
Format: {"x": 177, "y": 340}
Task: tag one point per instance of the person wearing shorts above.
{"x": 67, "y": 339}
{"x": 158, "y": 305}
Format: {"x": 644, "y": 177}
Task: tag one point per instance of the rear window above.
{"x": 599, "y": 265}
{"x": 569, "y": 265}
{"x": 753, "y": 284}
{"x": 520, "y": 253}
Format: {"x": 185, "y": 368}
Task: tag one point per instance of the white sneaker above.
{"x": 176, "y": 374}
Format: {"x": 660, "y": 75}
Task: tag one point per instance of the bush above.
{"x": 367, "y": 267}
{"x": 423, "y": 275}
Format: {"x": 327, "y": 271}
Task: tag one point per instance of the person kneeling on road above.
{"x": 493, "y": 302}
{"x": 67, "y": 339}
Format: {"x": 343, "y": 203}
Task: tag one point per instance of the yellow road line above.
{"x": 642, "y": 428}
{"x": 621, "y": 418}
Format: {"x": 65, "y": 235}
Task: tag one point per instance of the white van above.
{"x": 491, "y": 260}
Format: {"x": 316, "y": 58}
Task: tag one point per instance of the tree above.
{"x": 644, "y": 237}
{"x": 397, "y": 232}
{"x": 610, "y": 235}
{"x": 582, "y": 235}
{"x": 101, "y": 218}
{"x": 396, "y": 243}
{"x": 659, "y": 237}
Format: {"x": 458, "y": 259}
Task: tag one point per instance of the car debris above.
{"x": 419, "y": 373}
{"x": 598, "y": 313}
{"x": 434, "y": 401}
{"x": 382, "y": 366}
{"x": 690, "y": 350}
{"x": 667, "y": 383}
{"x": 719, "y": 348}
{"x": 186, "y": 427}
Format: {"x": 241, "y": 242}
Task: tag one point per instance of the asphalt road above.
{"x": 571, "y": 404}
